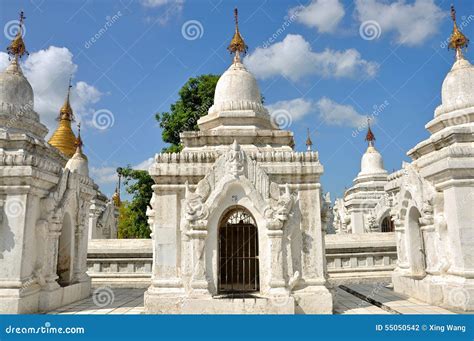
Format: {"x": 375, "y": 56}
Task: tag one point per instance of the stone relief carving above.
{"x": 235, "y": 160}
{"x": 278, "y": 213}
{"x": 341, "y": 217}
{"x": 327, "y": 216}
{"x": 194, "y": 205}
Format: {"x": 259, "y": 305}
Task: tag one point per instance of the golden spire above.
{"x": 116, "y": 197}
{"x": 17, "y": 48}
{"x": 63, "y": 137}
{"x": 237, "y": 44}
{"x": 309, "y": 143}
{"x": 370, "y": 137}
{"x": 458, "y": 40}
{"x": 65, "y": 113}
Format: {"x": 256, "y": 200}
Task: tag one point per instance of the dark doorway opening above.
{"x": 238, "y": 253}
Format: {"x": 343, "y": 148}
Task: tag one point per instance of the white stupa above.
{"x": 368, "y": 188}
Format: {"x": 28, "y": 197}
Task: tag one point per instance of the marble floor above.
{"x": 350, "y": 299}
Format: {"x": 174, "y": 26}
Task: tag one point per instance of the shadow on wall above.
{"x": 7, "y": 241}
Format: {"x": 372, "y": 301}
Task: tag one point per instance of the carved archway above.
{"x": 387, "y": 225}
{"x": 239, "y": 268}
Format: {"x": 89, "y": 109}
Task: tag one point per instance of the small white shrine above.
{"x": 236, "y": 216}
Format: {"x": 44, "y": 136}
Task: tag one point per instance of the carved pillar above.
{"x": 198, "y": 234}
{"x": 80, "y": 255}
{"x": 51, "y": 258}
{"x": 164, "y": 219}
{"x": 275, "y": 237}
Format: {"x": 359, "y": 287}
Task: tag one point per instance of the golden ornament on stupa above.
{"x": 237, "y": 44}
{"x": 17, "y": 48}
{"x": 63, "y": 137}
{"x": 458, "y": 40}
{"x": 116, "y": 198}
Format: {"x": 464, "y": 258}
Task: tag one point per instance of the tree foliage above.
{"x": 132, "y": 214}
{"x": 195, "y": 99}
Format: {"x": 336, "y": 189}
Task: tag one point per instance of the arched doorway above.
{"x": 65, "y": 252}
{"x": 238, "y": 253}
{"x": 387, "y": 225}
{"x": 416, "y": 250}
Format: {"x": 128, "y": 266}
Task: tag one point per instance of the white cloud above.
{"x": 329, "y": 112}
{"x": 48, "y": 72}
{"x": 324, "y": 15}
{"x": 413, "y": 22}
{"x": 3, "y": 61}
{"x": 294, "y": 59}
{"x": 298, "y": 107}
{"x": 160, "y": 3}
{"x": 144, "y": 165}
{"x": 333, "y": 113}
{"x": 104, "y": 175}
{"x": 171, "y": 9}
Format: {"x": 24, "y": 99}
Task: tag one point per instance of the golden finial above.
{"x": 458, "y": 40}
{"x": 66, "y": 113}
{"x": 17, "y": 47}
{"x": 237, "y": 44}
{"x": 309, "y": 143}
{"x": 370, "y": 137}
{"x": 116, "y": 195}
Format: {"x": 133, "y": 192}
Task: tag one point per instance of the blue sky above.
{"x": 312, "y": 59}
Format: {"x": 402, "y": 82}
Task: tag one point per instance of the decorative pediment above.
{"x": 236, "y": 166}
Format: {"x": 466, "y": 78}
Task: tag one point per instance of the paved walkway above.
{"x": 350, "y": 299}
{"x": 107, "y": 301}
{"x": 386, "y": 299}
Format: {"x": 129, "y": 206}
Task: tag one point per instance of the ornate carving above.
{"x": 427, "y": 213}
{"x": 278, "y": 213}
{"x": 341, "y": 217}
{"x": 235, "y": 160}
{"x": 194, "y": 205}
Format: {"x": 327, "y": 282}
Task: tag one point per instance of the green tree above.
{"x": 132, "y": 214}
{"x": 195, "y": 99}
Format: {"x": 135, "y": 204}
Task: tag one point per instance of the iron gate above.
{"x": 238, "y": 254}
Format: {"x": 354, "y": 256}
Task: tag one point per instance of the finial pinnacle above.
{"x": 66, "y": 113}
{"x": 458, "y": 40}
{"x": 237, "y": 44}
{"x": 236, "y": 18}
{"x": 309, "y": 143}
{"x": 370, "y": 137}
{"x": 79, "y": 143}
{"x": 17, "y": 48}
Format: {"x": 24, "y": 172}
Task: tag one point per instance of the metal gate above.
{"x": 238, "y": 253}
